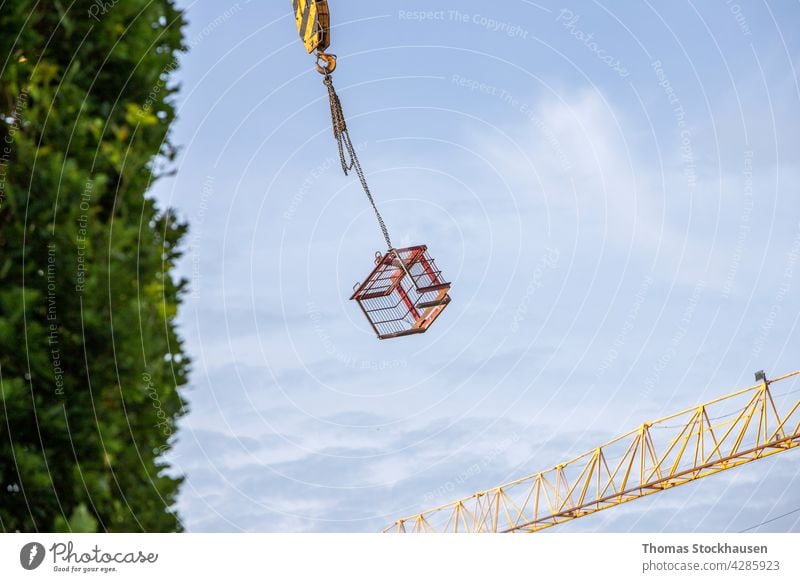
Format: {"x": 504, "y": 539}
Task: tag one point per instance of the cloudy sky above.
{"x": 611, "y": 188}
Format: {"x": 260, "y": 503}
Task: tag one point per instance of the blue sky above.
{"x": 611, "y": 188}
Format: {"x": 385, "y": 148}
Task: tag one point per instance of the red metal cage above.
{"x": 404, "y": 294}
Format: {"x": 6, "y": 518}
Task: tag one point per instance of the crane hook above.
{"x": 326, "y": 63}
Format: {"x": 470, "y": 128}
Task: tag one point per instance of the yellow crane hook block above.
{"x": 313, "y": 23}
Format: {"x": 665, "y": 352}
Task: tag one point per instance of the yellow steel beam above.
{"x": 657, "y": 455}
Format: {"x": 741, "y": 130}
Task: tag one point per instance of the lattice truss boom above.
{"x": 747, "y": 425}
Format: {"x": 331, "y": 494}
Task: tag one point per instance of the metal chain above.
{"x": 349, "y": 160}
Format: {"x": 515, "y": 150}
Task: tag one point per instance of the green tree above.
{"x": 91, "y": 366}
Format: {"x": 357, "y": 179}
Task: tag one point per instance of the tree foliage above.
{"x": 90, "y": 362}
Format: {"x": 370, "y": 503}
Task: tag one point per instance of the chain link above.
{"x": 347, "y": 152}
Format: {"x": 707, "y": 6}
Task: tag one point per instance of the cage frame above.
{"x": 424, "y": 310}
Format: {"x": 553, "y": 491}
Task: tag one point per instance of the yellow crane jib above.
{"x": 715, "y": 436}
{"x": 313, "y": 25}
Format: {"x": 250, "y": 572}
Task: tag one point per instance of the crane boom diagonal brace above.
{"x": 712, "y": 437}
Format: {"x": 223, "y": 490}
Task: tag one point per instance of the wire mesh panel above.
{"x": 404, "y": 294}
